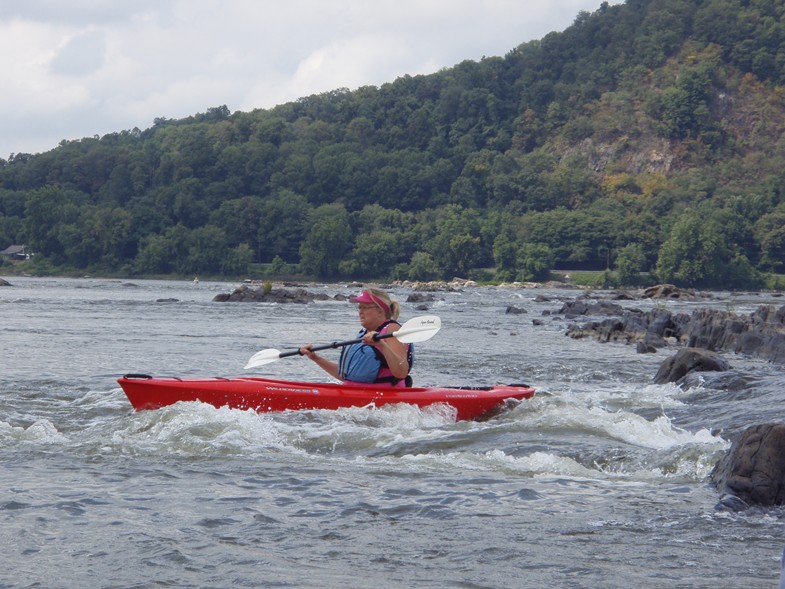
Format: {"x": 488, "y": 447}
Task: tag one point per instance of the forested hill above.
{"x": 645, "y": 137}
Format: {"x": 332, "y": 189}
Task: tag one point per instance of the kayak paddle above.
{"x": 416, "y": 329}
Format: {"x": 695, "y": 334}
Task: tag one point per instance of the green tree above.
{"x": 703, "y": 249}
{"x": 240, "y": 219}
{"x": 375, "y": 254}
{"x": 464, "y": 254}
{"x": 45, "y": 210}
{"x": 687, "y": 256}
{"x": 283, "y": 222}
{"x": 684, "y": 110}
{"x": 630, "y": 261}
{"x": 79, "y": 249}
{"x": 277, "y": 267}
{"x": 112, "y": 229}
{"x": 456, "y": 246}
{"x": 155, "y": 256}
{"x": 11, "y": 231}
{"x": 769, "y": 232}
{"x": 237, "y": 261}
{"x": 207, "y": 251}
{"x": 423, "y": 267}
{"x": 535, "y": 262}
{"x": 327, "y": 241}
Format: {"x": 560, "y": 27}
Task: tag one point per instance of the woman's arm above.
{"x": 328, "y": 366}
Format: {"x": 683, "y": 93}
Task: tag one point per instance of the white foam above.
{"x": 360, "y": 428}
{"x": 621, "y": 425}
{"x": 497, "y": 462}
{"x": 197, "y": 428}
{"x": 41, "y": 431}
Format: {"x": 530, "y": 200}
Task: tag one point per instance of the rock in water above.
{"x": 753, "y": 470}
{"x": 689, "y": 360}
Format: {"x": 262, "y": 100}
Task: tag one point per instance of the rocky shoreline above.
{"x": 752, "y": 473}
{"x": 760, "y": 334}
{"x": 256, "y": 292}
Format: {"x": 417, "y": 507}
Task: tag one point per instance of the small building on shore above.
{"x": 15, "y": 253}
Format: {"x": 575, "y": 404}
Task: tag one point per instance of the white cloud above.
{"x": 86, "y": 67}
{"x": 345, "y": 63}
{"x": 81, "y": 54}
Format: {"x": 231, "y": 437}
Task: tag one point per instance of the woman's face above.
{"x": 371, "y": 316}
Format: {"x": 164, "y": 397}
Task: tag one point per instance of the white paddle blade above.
{"x": 263, "y": 357}
{"x": 419, "y": 329}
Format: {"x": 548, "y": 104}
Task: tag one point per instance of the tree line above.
{"x": 643, "y": 139}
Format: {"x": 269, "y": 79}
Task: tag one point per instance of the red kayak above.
{"x": 263, "y": 394}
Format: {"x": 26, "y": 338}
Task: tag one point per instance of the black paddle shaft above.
{"x": 329, "y": 346}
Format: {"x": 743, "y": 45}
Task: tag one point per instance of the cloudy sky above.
{"x": 77, "y": 68}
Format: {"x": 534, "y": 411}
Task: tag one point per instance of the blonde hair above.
{"x": 395, "y": 307}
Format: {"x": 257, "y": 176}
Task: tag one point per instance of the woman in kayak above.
{"x": 378, "y": 361}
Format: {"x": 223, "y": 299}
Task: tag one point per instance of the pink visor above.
{"x": 367, "y": 297}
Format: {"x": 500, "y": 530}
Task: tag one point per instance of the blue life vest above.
{"x": 363, "y": 363}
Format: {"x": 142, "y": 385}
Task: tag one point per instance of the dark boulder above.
{"x": 581, "y": 307}
{"x": 4, "y": 282}
{"x": 774, "y": 348}
{"x": 662, "y": 291}
{"x": 654, "y": 340}
{"x": 248, "y": 294}
{"x": 633, "y": 326}
{"x": 669, "y": 291}
{"x": 513, "y": 310}
{"x": 689, "y": 360}
{"x": 644, "y": 348}
{"x": 419, "y": 297}
{"x": 760, "y": 334}
{"x": 753, "y": 470}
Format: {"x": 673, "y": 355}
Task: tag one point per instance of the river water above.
{"x": 600, "y": 481}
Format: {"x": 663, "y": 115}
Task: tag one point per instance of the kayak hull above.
{"x": 268, "y": 395}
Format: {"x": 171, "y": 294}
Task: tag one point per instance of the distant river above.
{"x": 600, "y": 481}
